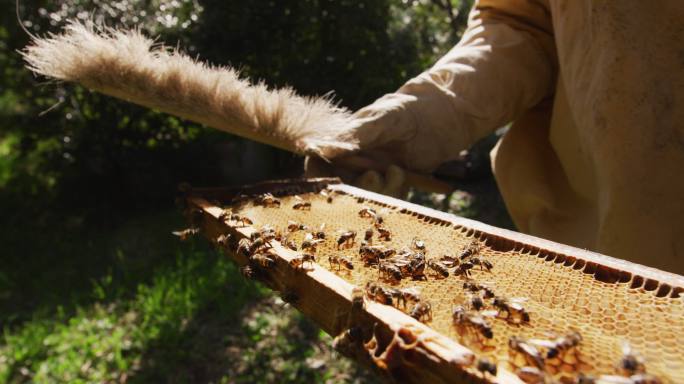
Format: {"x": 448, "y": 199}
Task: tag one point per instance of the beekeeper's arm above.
{"x": 503, "y": 65}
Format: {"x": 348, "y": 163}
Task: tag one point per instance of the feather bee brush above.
{"x": 129, "y": 66}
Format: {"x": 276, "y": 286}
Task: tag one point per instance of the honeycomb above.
{"x": 560, "y": 295}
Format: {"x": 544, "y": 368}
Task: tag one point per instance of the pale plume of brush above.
{"x": 128, "y": 65}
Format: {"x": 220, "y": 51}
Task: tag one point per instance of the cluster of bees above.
{"x": 270, "y": 201}
{"x": 631, "y": 370}
{"x": 470, "y": 317}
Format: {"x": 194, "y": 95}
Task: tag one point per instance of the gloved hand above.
{"x": 392, "y": 183}
{"x": 384, "y": 135}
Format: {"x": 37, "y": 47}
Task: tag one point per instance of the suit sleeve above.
{"x": 504, "y": 64}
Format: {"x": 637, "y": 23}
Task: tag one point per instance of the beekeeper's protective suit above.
{"x": 595, "y": 156}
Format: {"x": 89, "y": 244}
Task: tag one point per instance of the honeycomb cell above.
{"x": 558, "y": 293}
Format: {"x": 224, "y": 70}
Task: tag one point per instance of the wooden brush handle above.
{"x": 422, "y": 181}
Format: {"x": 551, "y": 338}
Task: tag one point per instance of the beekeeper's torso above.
{"x": 595, "y": 157}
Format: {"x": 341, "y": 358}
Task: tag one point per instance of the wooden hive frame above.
{"x": 400, "y": 347}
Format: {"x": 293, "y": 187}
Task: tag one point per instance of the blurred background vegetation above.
{"x": 93, "y": 287}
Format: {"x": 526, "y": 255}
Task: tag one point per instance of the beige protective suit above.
{"x": 595, "y": 156}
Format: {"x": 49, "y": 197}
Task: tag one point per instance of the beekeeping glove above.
{"x": 391, "y": 182}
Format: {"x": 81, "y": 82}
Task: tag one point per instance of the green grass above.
{"x": 117, "y": 333}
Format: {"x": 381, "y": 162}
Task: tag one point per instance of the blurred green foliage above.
{"x": 92, "y": 286}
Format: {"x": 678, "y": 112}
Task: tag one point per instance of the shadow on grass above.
{"x": 241, "y": 333}
{"x": 60, "y": 265}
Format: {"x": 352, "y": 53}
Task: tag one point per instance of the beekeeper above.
{"x": 595, "y": 90}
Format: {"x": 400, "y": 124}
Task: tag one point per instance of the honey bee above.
{"x": 390, "y": 272}
{"x": 485, "y": 366}
{"x": 438, "y": 268}
{"x": 358, "y": 299}
{"x": 348, "y": 341}
{"x": 301, "y": 204}
{"x": 368, "y": 236}
{"x": 248, "y": 272}
{"x": 264, "y": 260}
{"x": 482, "y": 263}
{"x": 267, "y": 200}
{"x": 521, "y": 346}
{"x": 487, "y": 293}
{"x": 464, "y": 269}
{"x": 449, "y": 261}
{"x": 379, "y": 219}
{"x": 268, "y": 231}
{"x": 382, "y": 296}
{"x": 256, "y": 246}
{"x": 327, "y": 195}
{"x": 459, "y": 314}
{"x": 262, "y": 239}
{"x": 531, "y": 375}
{"x": 384, "y": 233}
{"x": 631, "y": 362}
{"x": 562, "y": 344}
{"x": 254, "y": 235}
{"x": 320, "y": 234}
{"x": 237, "y": 219}
{"x": 186, "y": 233}
{"x": 515, "y": 312}
{"x": 471, "y": 249}
{"x": 369, "y": 255}
{"x": 395, "y": 294}
{"x": 346, "y": 239}
{"x": 417, "y": 257}
{"x": 293, "y": 226}
{"x": 418, "y": 245}
{"x": 291, "y": 244}
{"x": 403, "y": 263}
{"x": 340, "y": 261}
{"x": 386, "y": 253}
{"x": 244, "y": 247}
{"x": 225, "y": 215}
{"x": 310, "y": 244}
{"x": 421, "y": 311}
{"x": 476, "y": 302}
{"x": 378, "y": 293}
{"x": 371, "y": 287}
{"x": 417, "y": 267}
{"x": 406, "y": 295}
{"x": 463, "y": 318}
{"x": 260, "y": 244}
{"x": 223, "y": 239}
{"x": 367, "y": 213}
{"x": 298, "y": 262}
{"x": 304, "y": 205}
